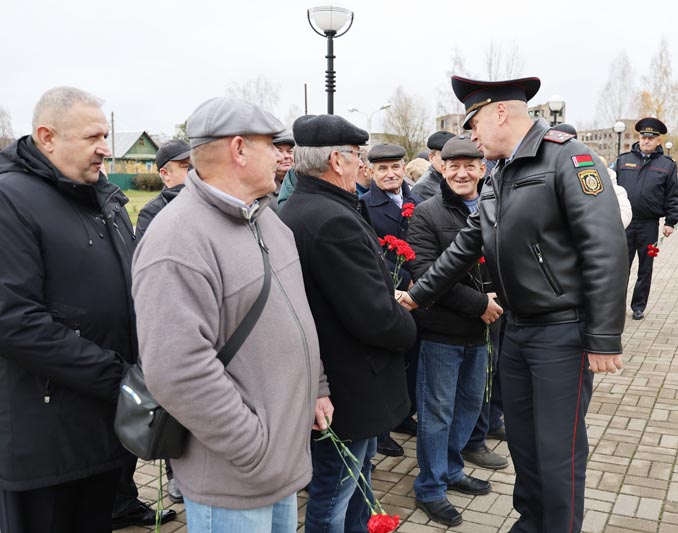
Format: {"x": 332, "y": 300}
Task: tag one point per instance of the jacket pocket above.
{"x": 526, "y": 182}
{"x": 548, "y": 273}
{"x": 68, "y": 315}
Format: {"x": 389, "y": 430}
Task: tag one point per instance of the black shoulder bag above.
{"x": 143, "y": 426}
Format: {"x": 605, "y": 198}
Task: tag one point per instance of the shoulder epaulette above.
{"x": 556, "y": 136}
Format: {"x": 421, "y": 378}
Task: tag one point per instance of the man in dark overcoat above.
{"x": 363, "y": 333}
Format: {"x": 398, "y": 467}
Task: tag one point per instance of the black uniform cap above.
{"x": 650, "y": 127}
{"x": 475, "y": 94}
{"x": 385, "y": 152}
{"x": 174, "y": 150}
{"x": 438, "y": 140}
{"x": 327, "y": 130}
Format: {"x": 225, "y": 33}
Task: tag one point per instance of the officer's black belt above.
{"x": 564, "y": 316}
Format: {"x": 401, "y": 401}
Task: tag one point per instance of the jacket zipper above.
{"x": 497, "y": 210}
{"x": 307, "y": 357}
{"x": 547, "y": 270}
{"x": 48, "y": 391}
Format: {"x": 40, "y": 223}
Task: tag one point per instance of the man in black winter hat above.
{"x": 363, "y": 332}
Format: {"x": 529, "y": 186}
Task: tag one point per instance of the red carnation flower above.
{"x": 382, "y": 523}
{"x": 408, "y": 210}
{"x": 481, "y": 260}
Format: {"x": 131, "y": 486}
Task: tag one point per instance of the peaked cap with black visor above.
{"x": 475, "y": 94}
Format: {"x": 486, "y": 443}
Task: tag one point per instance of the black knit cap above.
{"x": 385, "y": 152}
{"x": 327, "y": 130}
{"x": 475, "y": 94}
{"x": 438, "y": 139}
{"x": 650, "y": 127}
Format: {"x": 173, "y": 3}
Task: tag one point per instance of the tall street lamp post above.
{"x": 369, "y": 117}
{"x": 619, "y": 128}
{"x": 330, "y": 22}
{"x": 556, "y": 104}
{"x": 668, "y": 146}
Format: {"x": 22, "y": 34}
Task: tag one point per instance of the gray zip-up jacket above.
{"x": 197, "y": 272}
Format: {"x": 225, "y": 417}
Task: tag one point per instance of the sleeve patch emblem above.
{"x": 590, "y": 181}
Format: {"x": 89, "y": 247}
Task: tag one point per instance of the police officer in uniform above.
{"x": 649, "y": 177}
{"x": 553, "y": 251}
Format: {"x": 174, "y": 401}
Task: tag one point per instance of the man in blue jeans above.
{"x": 362, "y": 330}
{"x": 453, "y": 357}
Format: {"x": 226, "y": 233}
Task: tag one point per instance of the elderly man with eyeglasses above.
{"x": 362, "y": 331}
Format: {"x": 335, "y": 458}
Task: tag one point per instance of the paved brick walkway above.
{"x": 632, "y": 482}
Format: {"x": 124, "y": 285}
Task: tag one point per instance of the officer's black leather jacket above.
{"x": 552, "y": 238}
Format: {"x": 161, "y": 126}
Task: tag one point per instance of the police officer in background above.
{"x": 649, "y": 177}
{"x": 553, "y": 252}
{"x": 429, "y": 184}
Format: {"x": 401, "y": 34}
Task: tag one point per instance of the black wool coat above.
{"x": 363, "y": 331}
{"x": 66, "y": 321}
{"x": 387, "y": 219}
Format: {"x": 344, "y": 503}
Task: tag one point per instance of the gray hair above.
{"x": 57, "y": 101}
{"x": 315, "y": 160}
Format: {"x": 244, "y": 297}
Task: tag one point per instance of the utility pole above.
{"x": 112, "y": 143}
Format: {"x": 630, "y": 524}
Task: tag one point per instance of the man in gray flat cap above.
{"x": 199, "y": 269}
{"x": 363, "y": 333}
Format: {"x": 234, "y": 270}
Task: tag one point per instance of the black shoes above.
{"x": 471, "y": 485}
{"x": 173, "y": 492}
{"x": 441, "y": 511}
{"x": 141, "y": 515}
{"x": 638, "y": 314}
{"x": 499, "y": 433}
{"x": 387, "y": 446}
{"x": 407, "y": 426}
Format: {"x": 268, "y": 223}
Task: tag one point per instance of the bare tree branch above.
{"x": 261, "y": 92}
{"x": 618, "y": 96}
{"x": 6, "y": 132}
{"x": 406, "y": 122}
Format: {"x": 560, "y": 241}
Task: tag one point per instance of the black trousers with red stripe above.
{"x": 546, "y": 389}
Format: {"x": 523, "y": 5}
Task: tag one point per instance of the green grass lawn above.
{"x": 137, "y": 200}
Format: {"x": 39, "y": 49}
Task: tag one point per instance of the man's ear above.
{"x": 44, "y": 137}
{"x": 238, "y": 148}
{"x": 502, "y": 112}
{"x": 336, "y": 162}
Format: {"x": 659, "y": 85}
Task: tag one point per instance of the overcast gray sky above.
{"x": 154, "y": 62}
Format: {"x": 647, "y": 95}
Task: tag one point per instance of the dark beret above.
{"x": 460, "y": 147}
{"x": 650, "y": 127}
{"x": 327, "y": 130}
{"x": 438, "y": 139}
{"x": 385, "y": 152}
{"x": 475, "y": 94}
{"x": 285, "y": 137}
{"x": 174, "y": 150}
